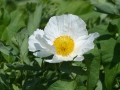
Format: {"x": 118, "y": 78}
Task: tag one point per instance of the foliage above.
{"x": 20, "y": 70}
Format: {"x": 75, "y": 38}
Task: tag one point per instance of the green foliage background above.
{"x": 20, "y": 70}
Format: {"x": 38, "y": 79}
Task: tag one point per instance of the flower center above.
{"x": 64, "y": 45}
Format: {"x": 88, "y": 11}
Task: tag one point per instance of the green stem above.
{"x": 74, "y": 78}
{"x": 57, "y": 71}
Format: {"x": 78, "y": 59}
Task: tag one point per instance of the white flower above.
{"x": 65, "y": 37}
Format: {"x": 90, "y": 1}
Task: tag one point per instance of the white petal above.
{"x": 59, "y": 58}
{"x": 79, "y": 58}
{"x": 42, "y": 53}
{"x": 88, "y": 44}
{"x": 32, "y": 42}
{"x": 37, "y": 42}
{"x": 68, "y": 24}
{"x": 54, "y": 60}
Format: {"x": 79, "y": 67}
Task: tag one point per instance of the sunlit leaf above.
{"x": 63, "y": 85}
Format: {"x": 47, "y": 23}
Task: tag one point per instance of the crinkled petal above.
{"x": 54, "y": 60}
{"x": 44, "y": 44}
{"x": 59, "y": 58}
{"x": 42, "y": 53}
{"x": 34, "y": 45}
{"x": 79, "y": 58}
{"x": 68, "y": 24}
{"x": 37, "y": 42}
{"x": 88, "y": 44}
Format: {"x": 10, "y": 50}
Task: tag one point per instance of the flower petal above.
{"x": 79, "y": 58}
{"x": 42, "y": 53}
{"x": 54, "y": 60}
{"x": 37, "y": 42}
{"x": 68, "y": 24}
{"x": 34, "y": 45}
{"x": 88, "y": 44}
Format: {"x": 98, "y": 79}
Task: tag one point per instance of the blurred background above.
{"x": 20, "y": 70}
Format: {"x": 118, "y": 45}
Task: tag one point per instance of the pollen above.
{"x": 64, "y": 45}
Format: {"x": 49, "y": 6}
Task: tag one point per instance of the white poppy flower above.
{"x": 65, "y": 37}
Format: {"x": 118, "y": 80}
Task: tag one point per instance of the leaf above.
{"x": 101, "y": 29}
{"x": 5, "y": 18}
{"x": 93, "y": 68}
{"x": 117, "y": 2}
{"x": 34, "y": 19}
{"x": 5, "y": 49}
{"x": 106, "y": 7}
{"x": 63, "y": 85}
{"x": 24, "y": 50}
{"x": 2, "y": 87}
{"x": 99, "y": 86}
{"x": 30, "y": 84}
{"x": 39, "y": 61}
{"x": 75, "y": 69}
{"x": 110, "y": 59}
{"x": 19, "y": 66}
{"x": 3, "y": 78}
{"x": 15, "y": 87}
{"x": 17, "y": 21}
{"x": 8, "y": 58}
{"x": 8, "y": 52}
{"x": 81, "y": 88}
{"x": 107, "y": 50}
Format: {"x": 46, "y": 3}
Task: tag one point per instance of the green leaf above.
{"x": 110, "y": 59}
{"x": 39, "y": 61}
{"x": 15, "y": 87}
{"x": 81, "y": 88}
{"x": 106, "y": 7}
{"x": 101, "y": 29}
{"x": 63, "y": 85}
{"x": 117, "y": 2}
{"x": 3, "y": 78}
{"x": 24, "y": 50}
{"x": 8, "y": 52}
{"x": 17, "y": 21}
{"x": 107, "y": 50}
{"x": 99, "y": 86}
{"x": 19, "y": 66}
{"x": 93, "y": 68}
{"x": 5, "y": 18}
{"x": 65, "y": 67}
{"x": 2, "y": 87}
{"x": 8, "y": 58}
{"x": 34, "y": 19}
{"x": 5, "y": 49}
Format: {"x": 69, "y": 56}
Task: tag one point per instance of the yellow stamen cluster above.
{"x": 64, "y": 45}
